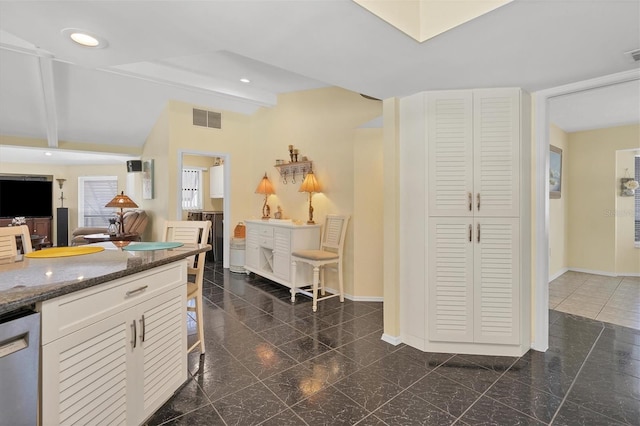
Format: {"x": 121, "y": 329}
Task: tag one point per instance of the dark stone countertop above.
{"x": 31, "y": 280}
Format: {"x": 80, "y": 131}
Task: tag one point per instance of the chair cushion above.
{"x": 315, "y": 255}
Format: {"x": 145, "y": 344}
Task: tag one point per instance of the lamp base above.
{"x": 310, "y": 222}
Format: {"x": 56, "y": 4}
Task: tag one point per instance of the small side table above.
{"x": 98, "y": 238}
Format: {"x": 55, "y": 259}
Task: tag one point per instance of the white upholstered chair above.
{"x": 8, "y": 246}
{"x": 329, "y": 254}
{"x": 192, "y": 232}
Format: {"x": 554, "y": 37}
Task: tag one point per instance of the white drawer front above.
{"x": 265, "y": 231}
{"x": 266, "y": 242}
{"x": 71, "y": 312}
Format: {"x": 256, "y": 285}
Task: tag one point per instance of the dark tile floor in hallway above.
{"x": 271, "y": 362}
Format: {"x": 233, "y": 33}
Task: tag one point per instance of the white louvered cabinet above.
{"x": 474, "y": 152}
{"x": 474, "y": 274}
{"x": 122, "y": 361}
{"x": 465, "y": 161}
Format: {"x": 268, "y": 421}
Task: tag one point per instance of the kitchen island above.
{"x": 113, "y": 339}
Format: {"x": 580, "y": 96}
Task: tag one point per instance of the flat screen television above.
{"x": 29, "y": 198}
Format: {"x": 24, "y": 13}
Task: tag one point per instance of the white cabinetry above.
{"x": 474, "y": 153}
{"x": 114, "y": 353}
{"x": 474, "y": 292}
{"x": 216, "y": 181}
{"x": 475, "y": 222}
{"x": 269, "y": 245}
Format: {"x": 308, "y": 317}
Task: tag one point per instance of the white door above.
{"x": 162, "y": 323}
{"x": 496, "y": 145}
{"x": 84, "y": 375}
{"x": 450, "y": 153}
{"x": 496, "y": 278}
{"x": 450, "y": 262}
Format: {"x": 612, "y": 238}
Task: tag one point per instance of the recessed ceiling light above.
{"x": 48, "y": 154}
{"x": 85, "y": 38}
{"x": 245, "y": 80}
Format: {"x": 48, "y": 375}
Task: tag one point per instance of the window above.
{"x": 191, "y": 189}
{"x": 94, "y": 192}
{"x": 637, "y": 178}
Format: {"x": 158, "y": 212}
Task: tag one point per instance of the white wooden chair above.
{"x": 330, "y": 253}
{"x": 8, "y": 246}
{"x": 192, "y": 232}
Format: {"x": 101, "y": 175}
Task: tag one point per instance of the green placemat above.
{"x": 152, "y": 246}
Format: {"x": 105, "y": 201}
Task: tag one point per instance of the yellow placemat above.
{"x": 64, "y": 251}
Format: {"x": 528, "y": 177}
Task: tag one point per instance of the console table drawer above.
{"x": 265, "y": 231}
{"x": 266, "y": 241}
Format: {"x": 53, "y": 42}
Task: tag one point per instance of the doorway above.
{"x": 541, "y": 201}
{"x": 226, "y": 201}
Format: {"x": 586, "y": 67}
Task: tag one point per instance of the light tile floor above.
{"x": 610, "y": 299}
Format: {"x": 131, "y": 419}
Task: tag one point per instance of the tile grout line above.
{"x": 607, "y": 302}
{"x": 487, "y": 390}
{"x": 573, "y": 382}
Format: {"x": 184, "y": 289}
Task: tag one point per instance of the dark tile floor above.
{"x": 273, "y": 363}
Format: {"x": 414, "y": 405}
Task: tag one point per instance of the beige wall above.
{"x": 156, "y": 148}
{"x": 593, "y": 177}
{"x": 559, "y": 210}
{"x": 368, "y": 205}
{"x": 391, "y": 236}
{"x": 322, "y": 124}
{"x": 231, "y": 140}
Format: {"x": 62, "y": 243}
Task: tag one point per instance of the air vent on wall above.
{"x": 209, "y": 119}
{"x": 634, "y": 55}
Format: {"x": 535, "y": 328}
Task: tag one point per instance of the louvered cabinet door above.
{"x": 252, "y": 246}
{"x": 450, "y": 153}
{"x": 282, "y": 253}
{"x": 450, "y": 259}
{"x": 496, "y": 145}
{"x": 84, "y": 375}
{"x": 497, "y": 283}
{"x": 161, "y": 358}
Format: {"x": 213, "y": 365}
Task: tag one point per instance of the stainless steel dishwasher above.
{"x": 19, "y": 364}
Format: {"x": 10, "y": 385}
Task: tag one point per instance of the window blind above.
{"x": 93, "y": 194}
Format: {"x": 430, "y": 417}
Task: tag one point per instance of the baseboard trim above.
{"x": 394, "y": 340}
{"x": 557, "y": 274}
{"x": 595, "y": 272}
{"x": 357, "y": 298}
{"x": 629, "y": 274}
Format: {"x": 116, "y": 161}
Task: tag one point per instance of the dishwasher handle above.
{"x": 14, "y": 345}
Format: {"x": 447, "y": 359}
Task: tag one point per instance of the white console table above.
{"x": 269, "y": 244}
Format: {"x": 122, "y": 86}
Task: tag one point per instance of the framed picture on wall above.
{"x": 555, "y": 171}
{"x": 147, "y": 180}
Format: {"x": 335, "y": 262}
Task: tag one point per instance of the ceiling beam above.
{"x": 48, "y": 96}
